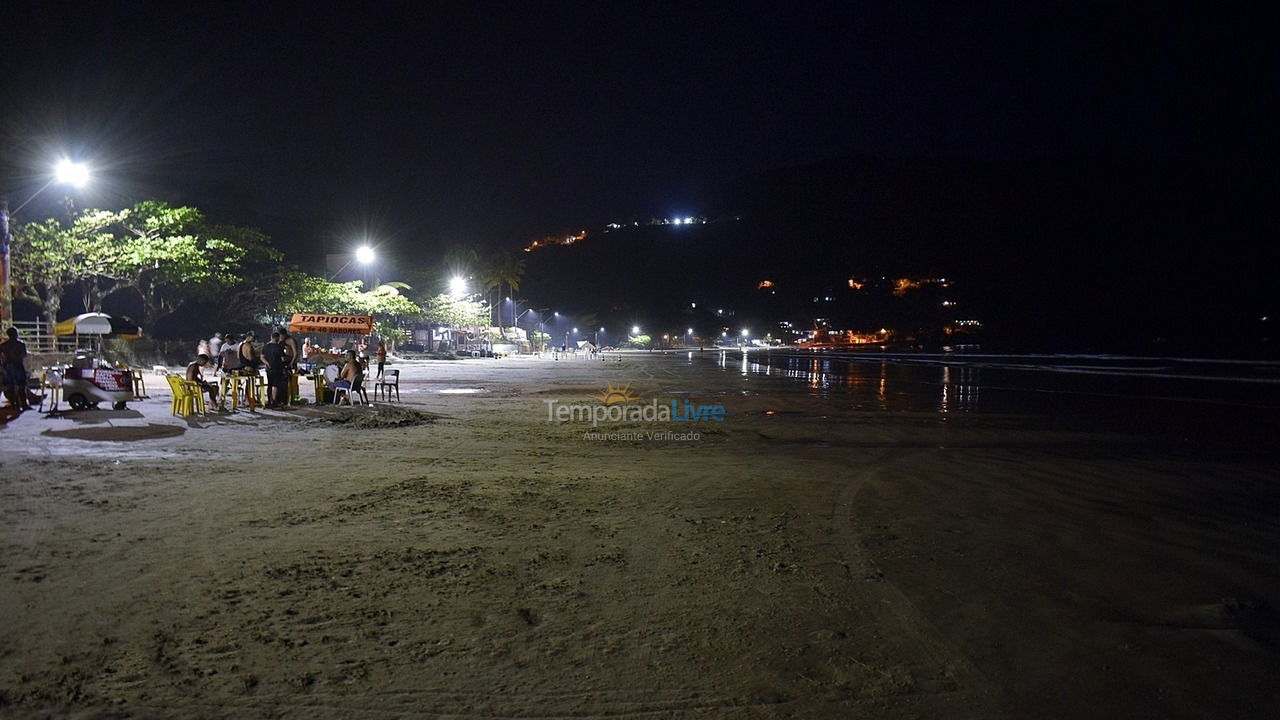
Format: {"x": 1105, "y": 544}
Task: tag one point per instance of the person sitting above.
{"x": 352, "y": 375}
{"x": 195, "y": 375}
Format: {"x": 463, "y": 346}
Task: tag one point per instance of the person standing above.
{"x": 215, "y": 346}
{"x": 249, "y": 360}
{"x": 229, "y": 355}
{"x": 13, "y": 354}
{"x": 291, "y": 359}
{"x": 382, "y": 356}
{"x": 273, "y": 356}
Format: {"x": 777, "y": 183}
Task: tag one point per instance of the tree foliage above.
{"x": 171, "y": 258}
{"x": 466, "y": 311}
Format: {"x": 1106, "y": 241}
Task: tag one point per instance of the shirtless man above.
{"x": 249, "y": 360}
{"x": 195, "y": 375}
{"x": 292, "y": 355}
{"x": 352, "y": 375}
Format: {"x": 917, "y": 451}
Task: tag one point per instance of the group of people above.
{"x": 279, "y": 357}
{"x": 231, "y": 355}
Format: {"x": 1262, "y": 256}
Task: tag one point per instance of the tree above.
{"x": 167, "y": 254}
{"x": 466, "y": 311}
{"x": 304, "y": 293}
{"x": 49, "y": 259}
{"x": 503, "y": 269}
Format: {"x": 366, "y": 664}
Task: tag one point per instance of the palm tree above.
{"x": 503, "y": 269}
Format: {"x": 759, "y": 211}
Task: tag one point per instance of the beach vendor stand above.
{"x": 327, "y": 324}
{"x": 90, "y": 380}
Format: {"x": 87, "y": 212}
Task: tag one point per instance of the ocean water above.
{"x": 1215, "y": 404}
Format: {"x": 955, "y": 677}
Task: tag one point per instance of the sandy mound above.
{"x": 384, "y": 416}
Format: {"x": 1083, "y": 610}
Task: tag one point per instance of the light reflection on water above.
{"x": 883, "y": 385}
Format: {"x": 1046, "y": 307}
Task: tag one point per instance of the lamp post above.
{"x": 516, "y": 322}
{"x": 66, "y": 172}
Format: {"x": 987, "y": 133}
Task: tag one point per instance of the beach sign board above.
{"x": 330, "y": 323}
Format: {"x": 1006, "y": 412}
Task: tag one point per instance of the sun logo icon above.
{"x": 617, "y": 395}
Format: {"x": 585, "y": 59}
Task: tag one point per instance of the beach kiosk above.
{"x": 328, "y": 324}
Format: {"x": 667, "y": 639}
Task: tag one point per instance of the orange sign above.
{"x": 336, "y": 324}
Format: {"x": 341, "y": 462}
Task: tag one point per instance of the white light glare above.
{"x": 458, "y": 286}
{"x": 71, "y": 173}
{"x": 364, "y": 254}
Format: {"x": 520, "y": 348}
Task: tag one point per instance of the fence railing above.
{"x": 37, "y": 335}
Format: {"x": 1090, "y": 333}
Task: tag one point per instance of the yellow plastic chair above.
{"x": 183, "y": 402}
{"x": 197, "y": 394}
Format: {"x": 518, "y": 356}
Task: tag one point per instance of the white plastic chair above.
{"x": 330, "y": 375}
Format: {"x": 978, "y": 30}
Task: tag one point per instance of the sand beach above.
{"x": 890, "y": 542}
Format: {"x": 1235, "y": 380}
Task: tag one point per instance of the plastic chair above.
{"x": 51, "y": 389}
{"x": 197, "y": 395}
{"x": 355, "y": 394}
{"x": 139, "y": 385}
{"x": 390, "y": 380}
{"x": 183, "y": 402}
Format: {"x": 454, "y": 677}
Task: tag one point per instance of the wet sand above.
{"x": 868, "y": 548}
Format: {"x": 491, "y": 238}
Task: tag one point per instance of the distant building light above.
{"x": 688, "y": 221}
{"x": 676, "y": 221}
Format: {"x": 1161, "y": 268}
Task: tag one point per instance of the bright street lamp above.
{"x": 364, "y": 255}
{"x": 458, "y": 286}
{"x": 635, "y": 329}
{"x": 65, "y": 172}
{"x": 71, "y": 173}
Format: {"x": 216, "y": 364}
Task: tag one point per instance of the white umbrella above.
{"x": 86, "y": 324}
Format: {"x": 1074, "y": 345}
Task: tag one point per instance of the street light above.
{"x": 364, "y": 256}
{"x": 635, "y": 329}
{"x": 66, "y": 172}
{"x": 69, "y": 172}
{"x": 458, "y": 286}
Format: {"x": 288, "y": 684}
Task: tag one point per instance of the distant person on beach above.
{"x": 292, "y": 356}
{"x": 382, "y": 356}
{"x": 307, "y": 349}
{"x": 202, "y": 347}
{"x": 195, "y": 375}
{"x": 249, "y": 358}
{"x": 352, "y": 374}
{"x": 274, "y": 358}
{"x": 13, "y": 353}
{"x": 215, "y": 346}
{"x": 229, "y": 355}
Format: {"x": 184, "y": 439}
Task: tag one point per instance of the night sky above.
{"x": 482, "y": 125}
